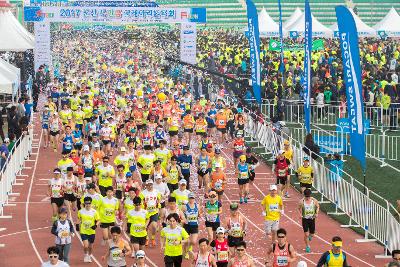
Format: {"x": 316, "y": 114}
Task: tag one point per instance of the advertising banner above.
{"x": 42, "y": 52}
{"x": 188, "y": 42}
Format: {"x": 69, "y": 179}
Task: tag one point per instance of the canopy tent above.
{"x": 293, "y": 18}
{"x": 267, "y": 26}
{"x": 363, "y": 29}
{"x": 20, "y": 28}
{"x": 390, "y": 24}
{"x": 15, "y": 39}
{"x": 318, "y": 30}
{"x": 13, "y": 74}
{"x": 6, "y": 85}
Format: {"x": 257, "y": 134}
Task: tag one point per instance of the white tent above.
{"x": 12, "y": 73}
{"x": 267, "y": 26}
{"x": 293, "y": 18}
{"x": 12, "y": 38}
{"x": 6, "y": 85}
{"x": 318, "y": 30}
{"x": 20, "y": 28}
{"x": 390, "y": 24}
{"x": 363, "y": 29}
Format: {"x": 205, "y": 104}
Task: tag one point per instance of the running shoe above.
{"x": 245, "y": 200}
{"x": 86, "y": 258}
{"x": 133, "y": 255}
{"x": 187, "y": 256}
{"x": 308, "y": 249}
{"x": 287, "y": 195}
{"x": 309, "y": 237}
{"x": 89, "y": 258}
{"x": 241, "y": 201}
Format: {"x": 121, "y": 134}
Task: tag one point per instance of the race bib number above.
{"x": 282, "y": 260}
{"x": 211, "y": 217}
{"x": 282, "y": 173}
{"x": 222, "y": 256}
{"x": 55, "y": 192}
{"x": 64, "y": 234}
{"x": 273, "y": 207}
{"x": 192, "y": 218}
{"x": 109, "y": 212}
{"x": 244, "y": 175}
{"x": 221, "y": 122}
{"x": 138, "y": 228}
{"x": 218, "y": 185}
{"x": 87, "y": 225}
{"x": 116, "y": 254}
{"x": 151, "y": 208}
{"x": 236, "y": 232}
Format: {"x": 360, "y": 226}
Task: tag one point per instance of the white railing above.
{"x": 328, "y": 114}
{"x": 13, "y": 167}
{"x": 365, "y": 208}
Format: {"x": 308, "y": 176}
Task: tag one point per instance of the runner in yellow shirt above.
{"x": 305, "y": 175}
{"x": 173, "y": 240}
{"x": 138, "y": 219}
{"x": 109, "y": 205}
{"x": 145, "y": 162}
{"x": 88, "y": 221}
{"x": 104, "y": 174}
{"x": 272, "y": 208}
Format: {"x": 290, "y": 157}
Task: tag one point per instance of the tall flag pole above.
{"x": 254, "y": 40}
{"x": 352, "y": 75}
{"x": 281, "y": 65}
{"x": 307, "y": 64}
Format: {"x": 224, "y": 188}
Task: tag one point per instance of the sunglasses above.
{"x": 53, "y": 256}
{"x": 105, "y": 161}
{"x": 281, "y": 236}
{"x": 213, "y": 196}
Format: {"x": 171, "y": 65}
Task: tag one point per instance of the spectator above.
{"x": 310, "y": 148}
{"x": 21, "y": 108}
{"x": 12, "y": 120}
{"x": 3, "y": 155}
{"x": 11, "y": 144}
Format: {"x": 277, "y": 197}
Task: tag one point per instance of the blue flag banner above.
{"x": 254, "y": 40}
{"x": 282, "y": 65}
{"x": 352, "y": 75}
{"x": 307, "y": 64}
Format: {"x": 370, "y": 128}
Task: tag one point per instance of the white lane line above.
{"x": 317, "y": 236}
{"x": 21, "y": 232}
{"x": 256, "y": 226}
{"x": 27, "y": 204}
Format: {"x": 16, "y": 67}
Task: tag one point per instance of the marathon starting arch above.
{"x": 114, "y": 12}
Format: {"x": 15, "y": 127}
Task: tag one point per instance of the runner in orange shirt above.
{"x": 218, "y": 181}
{"x": 221, "y": 121}
{"x": 188, "y": 125}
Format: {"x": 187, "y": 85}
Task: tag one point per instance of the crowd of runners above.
{"x": 141, "y": 164}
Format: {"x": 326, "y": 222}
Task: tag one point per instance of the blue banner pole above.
{"x": 307, "y": 64}
{"x": 254, "y": 40}
{"x": 282, "y": 65}
{"x": 352, "y": 75}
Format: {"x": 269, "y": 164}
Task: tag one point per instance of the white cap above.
{"x": 149, "y": 181}
{"x": 182, "y": 181}
{"x": 217, "y": 165}
{"x": 282, "y": 123}
{"x": 6, "y": 140}
{"x": 140, "y": 254}
{"x": 157, "y": 176}
{"x": 220, "y": 230}
{"x": 97, "y": 145}
{"x": 302, "y": 264}
{"x": 281, "y": 152}
{"x": 140, "y": 106}
{"x": 273, "y": 187}
{"x": 123, "y": 149}
{"x": 86, "y": 148}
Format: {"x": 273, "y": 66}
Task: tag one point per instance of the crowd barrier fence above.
{"x": 12, "y": 168}
{"x": 367, "y": 210}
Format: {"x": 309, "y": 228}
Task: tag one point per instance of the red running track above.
{"x": 27, "y": 234}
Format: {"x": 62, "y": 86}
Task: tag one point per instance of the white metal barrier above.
{"x": 365, "y": 208}
{"x": 13, "y": 167}
{"x": 328, "y": 114}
